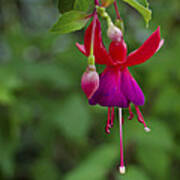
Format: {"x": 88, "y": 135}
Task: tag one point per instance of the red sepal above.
{"x": 100, "y": 52}
{"x": 147, "y": 50}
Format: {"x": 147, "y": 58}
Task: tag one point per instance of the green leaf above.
{"x": 65, "y": 6}
{"x": 79, "y": 5}
{"x": 144, "y": 2}
{"x": 97, "y": 165}
{"x": 83, "y": 5}
{"x": 69, "y": 22}
{"x": 144, "y": 11}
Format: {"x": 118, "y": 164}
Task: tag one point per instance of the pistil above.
{"x": 131, "y": 115}
{"x": 112, "y": 117}
{"x": 121, "y": 167}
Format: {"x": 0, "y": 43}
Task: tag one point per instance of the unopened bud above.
{"x": 114, "y": 33}
{"x": 90, "y": 81}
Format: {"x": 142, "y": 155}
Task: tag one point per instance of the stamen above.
{"x": 131, "y": 115}
{"x": 121, "y": 167}
{"x": 141, "y": 119}
{"x": 122, "y": 120}
{"x": 112, "y": 117}
{"x": 108, "y": 126}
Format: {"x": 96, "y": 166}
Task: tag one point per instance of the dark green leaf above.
{"x": 69, "y": 22}
{"x": 65, "y": 5}
{"x": 83, "y": 5}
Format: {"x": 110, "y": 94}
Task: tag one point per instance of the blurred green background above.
{"x": 47, "y": 129}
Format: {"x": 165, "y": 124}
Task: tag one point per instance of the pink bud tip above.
{"x": 114, "y": 33}
{"x": 90, "y": 81}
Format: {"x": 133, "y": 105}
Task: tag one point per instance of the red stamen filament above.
{"x": 112, "y": 117}
{"x": 131, "y": 115}
{"x": 122, "y": 167}
{"x": 141, "y": 119}
{"x": 108, "y": 126}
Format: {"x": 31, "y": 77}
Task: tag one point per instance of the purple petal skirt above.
{"x": 117, "y": 88}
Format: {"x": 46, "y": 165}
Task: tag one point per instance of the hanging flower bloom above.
{"x": 117, "y": 87}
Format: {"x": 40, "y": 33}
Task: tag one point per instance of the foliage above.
{"x": 143, "y": 10}
{"x": 75, "y": 13}
{"x": 69, "y": 22}
{"x": 48, "y": 130}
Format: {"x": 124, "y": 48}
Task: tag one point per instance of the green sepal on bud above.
{"x": 106, "y": 3}
{"x": 91, "y": 60}
{"x": 120, "y": 24}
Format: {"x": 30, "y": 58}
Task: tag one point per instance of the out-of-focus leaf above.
{"x": 168, "y": 99}
{"x": 155, "y": 160}
{"x": 144, "y": 11}
{"x": 65, "y": 5}
{"x": 49, "y": 73}
{"x": 73, "y": 118}
{"x": 9, "y": 83}
{"x": 45, "y": 169}
{"x": 83, "y": 5}
{"x": 97, "y": 165}
{"x": 160, "y": 135}
{"x": 133, "y": 173}
{"x": 69, "y": 22}
{"x": 7, "y": 150}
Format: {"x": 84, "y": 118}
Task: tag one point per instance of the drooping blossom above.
{"x": 117, "y": 87}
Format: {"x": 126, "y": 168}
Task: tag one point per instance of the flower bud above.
{"x": 90, "y": 81}
{"x": 114, "y": 33}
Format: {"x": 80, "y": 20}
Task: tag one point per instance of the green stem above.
{"x": 102, "y": 12}
{"x": 91, "y": 59}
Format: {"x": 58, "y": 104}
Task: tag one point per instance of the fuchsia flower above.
{"x": 117, "y": 87}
